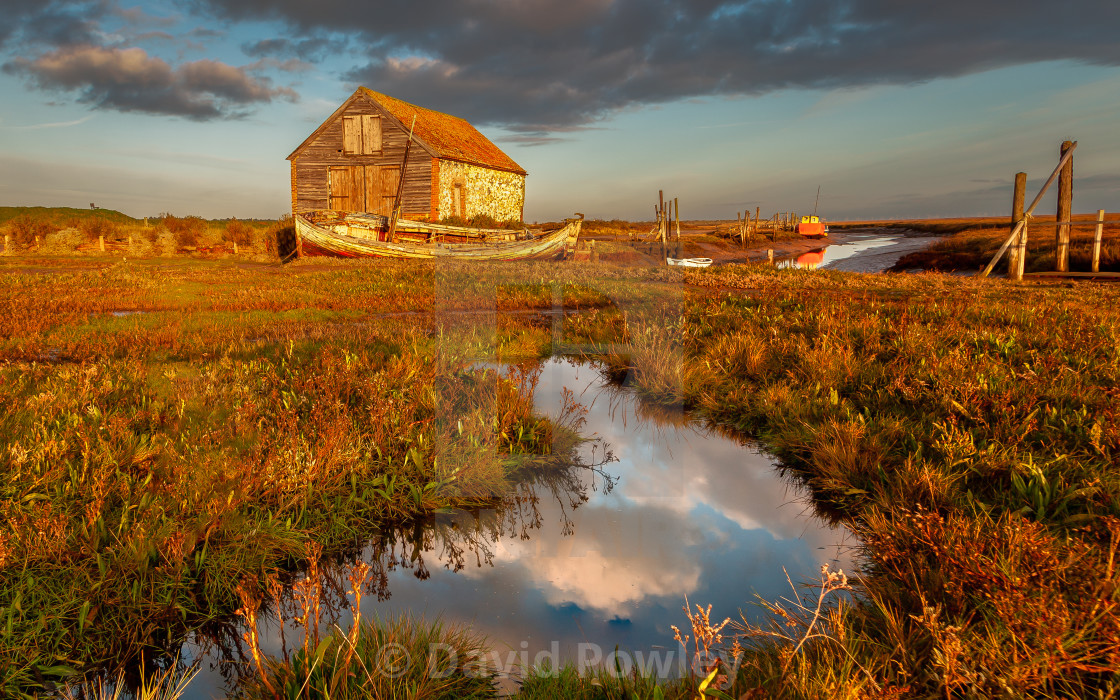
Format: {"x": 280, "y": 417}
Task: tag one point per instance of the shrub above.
{"x": 238, "y": 232}
{"x": 186, "y": 230}
{"x": 24, "y": 229}
{"x": 95, "y": 226}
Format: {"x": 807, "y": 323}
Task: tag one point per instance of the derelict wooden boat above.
{"x": 367, "y": 235}
{"x": 689, "y": 262}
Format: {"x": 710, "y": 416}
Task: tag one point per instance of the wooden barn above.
{"x": 352, "y": 162}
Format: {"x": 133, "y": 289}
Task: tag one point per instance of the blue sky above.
{"x": 894, "y": 109}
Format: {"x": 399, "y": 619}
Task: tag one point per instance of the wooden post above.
{"x": 235, "y": 247}
{"x": 677, "y": 213}
{"x": 1065, "y": 209}
{"x": 100, "y": 242}
{"x": 757, "y": 211}
{"x": 1020, "y": 257}
{"x": 130, "y": 239}
{"x": 6, "y": 240}
{"x": 1097, "y": 241}
{"x": 37, "y": 242}
{"x": 770, "y": 256}
{"x": 1030, "y": 210}
{"x": 1017, "y": 199}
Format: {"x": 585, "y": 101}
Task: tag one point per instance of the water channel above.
{"x": 860, "y": 250}
{"x": 602, "y": 558}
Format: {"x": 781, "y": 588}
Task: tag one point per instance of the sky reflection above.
{"x": 691, "y": 513}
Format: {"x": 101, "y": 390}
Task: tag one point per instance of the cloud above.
{"x": 53, "y": 22}
{"x": 130, "y": 80}
{"x": 535, "y": 65}
{"x": 49, "y": 125}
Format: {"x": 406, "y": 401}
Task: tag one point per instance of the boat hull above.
{"x": 689, "y": 262}
{"x": 354, "y": 237}
{"x": 812, "y": 230}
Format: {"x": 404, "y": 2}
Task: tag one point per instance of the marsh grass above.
{"x": 158, "y": 460}
{"x": 966, "y": 430}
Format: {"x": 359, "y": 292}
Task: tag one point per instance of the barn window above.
{"x": 361, "y": 134}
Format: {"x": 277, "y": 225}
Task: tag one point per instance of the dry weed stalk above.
{"x": 800, "y": 623}
{"x": 250, "y": 603}
{"x": 705, "y": 637}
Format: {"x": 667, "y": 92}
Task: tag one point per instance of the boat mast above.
{"x": 400, "y": 184}
{"x": 818, "y": 201}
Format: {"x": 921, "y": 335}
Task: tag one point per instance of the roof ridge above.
{"x": 451, "y": 137}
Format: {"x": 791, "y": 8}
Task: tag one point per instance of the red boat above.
{"x": 812, "y": 227}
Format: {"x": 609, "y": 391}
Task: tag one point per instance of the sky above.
{"x": 894, "y": 109}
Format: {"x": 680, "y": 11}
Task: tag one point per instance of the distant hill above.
{"x": 63, "y": 216}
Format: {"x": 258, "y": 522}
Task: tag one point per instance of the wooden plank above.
{"x": 371, "y": 134}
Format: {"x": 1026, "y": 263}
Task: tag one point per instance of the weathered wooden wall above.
{"x": 311, "y": 178}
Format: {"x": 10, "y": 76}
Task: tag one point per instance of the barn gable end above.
{"x": 352, "y": 162}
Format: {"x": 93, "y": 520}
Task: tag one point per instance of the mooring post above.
{"x": 1020, "y": 254}
{"x": 1097, "y": 241}
{"x": 677, "y": 213}
{"x": 1017, "y": 199}
{"x": 1065, "y": 209}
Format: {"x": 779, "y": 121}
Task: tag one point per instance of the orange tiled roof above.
{"x": 451, "y": 137}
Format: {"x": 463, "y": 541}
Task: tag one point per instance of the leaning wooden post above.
{"x": 100, "y": 243}
{"x": 1017, "y": 199}
{"x": 1065, "y": 210}
{"x": 1026, "y": 215}
{"x": 1097, "y": 241}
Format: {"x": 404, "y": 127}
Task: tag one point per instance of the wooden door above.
{"x": 390, "y": 178}
{"x": 381, "y": 188}
{"x": 340, "y": 188}
{"x": 346, "y": 192}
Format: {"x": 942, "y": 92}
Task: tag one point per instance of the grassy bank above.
{"x": 165, "y": 465}
{"x": 968, "y": 430}
{"x": 66, "y": 232}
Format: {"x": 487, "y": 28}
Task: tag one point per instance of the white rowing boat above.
{"x": 689, "y": 262}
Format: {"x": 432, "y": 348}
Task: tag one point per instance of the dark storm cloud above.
{"x": 130, "y": 80}
{"x": 536, "y": 65}
{"x": 53, "y": 22}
